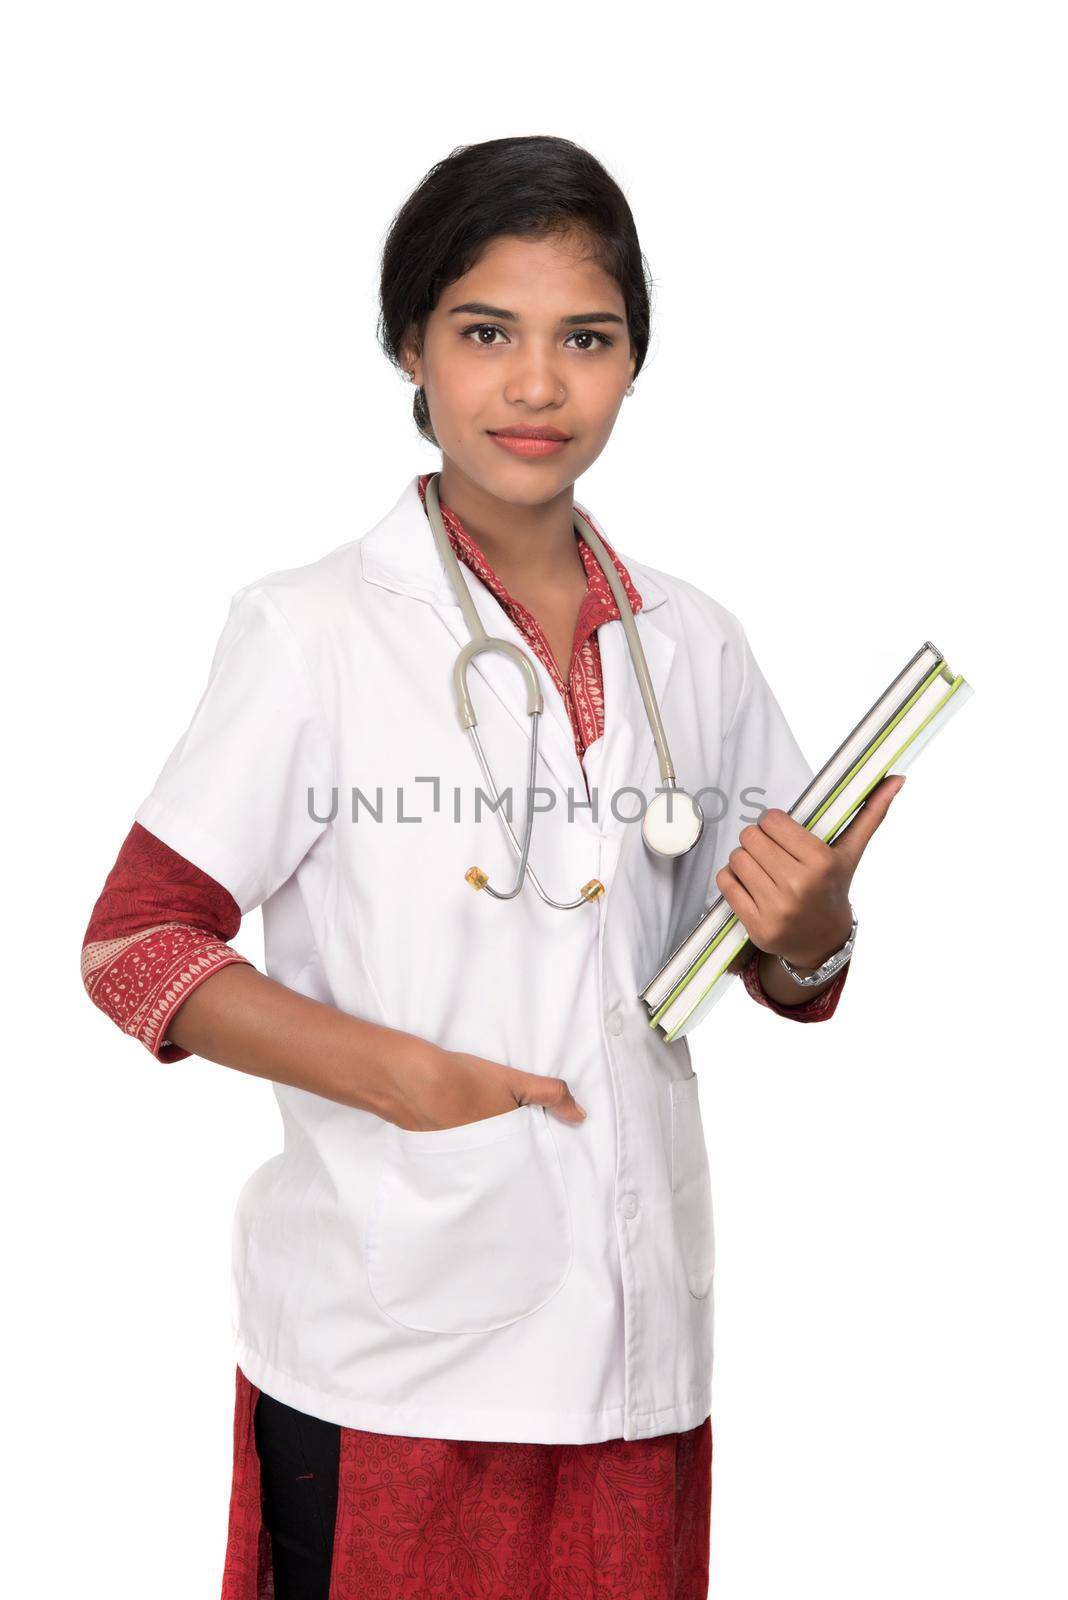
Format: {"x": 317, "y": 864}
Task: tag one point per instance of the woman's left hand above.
{"x": 790, "y": 890}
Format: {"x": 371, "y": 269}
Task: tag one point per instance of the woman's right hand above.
{"x": 437, "y": 1089}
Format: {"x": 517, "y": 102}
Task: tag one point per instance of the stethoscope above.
{"x": 670, "y": 827}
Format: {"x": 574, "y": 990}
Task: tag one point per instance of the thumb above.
{"x": 554, "y": 1095}
{"x": 853, "y": 841}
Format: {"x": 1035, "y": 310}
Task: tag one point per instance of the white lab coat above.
{"x": 516, "y": 1278}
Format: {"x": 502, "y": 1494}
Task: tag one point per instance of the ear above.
{"x": 410, "y": 360}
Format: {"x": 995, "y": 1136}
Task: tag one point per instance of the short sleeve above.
{"x": 233, "y": 795}
{"x": 762, "y": 763}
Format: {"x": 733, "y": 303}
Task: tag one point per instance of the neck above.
{"x": 535, "y": 543}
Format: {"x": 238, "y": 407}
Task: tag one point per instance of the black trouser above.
{"x": 299, "y": 1477}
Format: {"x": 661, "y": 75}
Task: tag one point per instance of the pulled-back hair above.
{"x": 532, "y": 187}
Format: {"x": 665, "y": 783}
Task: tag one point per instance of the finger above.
{"x": 737, "y": 896}
{"x": 853, "y": 839}
{"x": 751, "y": 871}
{"x": 779, "y": 865}
{"x": 555, "y": 1096}
{"x": 789, "y": 834}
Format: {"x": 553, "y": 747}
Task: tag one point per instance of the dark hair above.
{"x": 532, "y": 187}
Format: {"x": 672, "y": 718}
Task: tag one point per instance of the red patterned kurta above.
{"x": 619, "y": 1520}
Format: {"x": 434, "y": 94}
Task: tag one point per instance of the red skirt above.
{"x": 625, "y": 1519}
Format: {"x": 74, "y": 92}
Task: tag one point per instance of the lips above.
{"x": 531, "y": 446}
{"x": 530, "y": 443}
{"x": 530, "y": 433}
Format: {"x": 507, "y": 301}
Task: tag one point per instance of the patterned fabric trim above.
{"x": 820, "y": 1008}
{"x": 140, "y": 979}
{"x": 158, "y": 929}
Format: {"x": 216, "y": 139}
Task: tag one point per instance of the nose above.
{"x": 535, "y": 379}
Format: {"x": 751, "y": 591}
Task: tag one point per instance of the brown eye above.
{"x": 589, "y": 333}
{"x": 482, "y": 327}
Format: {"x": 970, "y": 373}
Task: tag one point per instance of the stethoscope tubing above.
{"x": 478, "y": 633}
{"x": 481, "y": 642}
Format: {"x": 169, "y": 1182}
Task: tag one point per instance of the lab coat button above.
{"x": 629, "y": 1205}
{"x": 615, "y": 1023}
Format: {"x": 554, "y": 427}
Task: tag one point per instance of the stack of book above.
{"x": 919, "y": 702}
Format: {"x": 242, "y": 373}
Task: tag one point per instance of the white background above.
{"x": 850, "y": 430}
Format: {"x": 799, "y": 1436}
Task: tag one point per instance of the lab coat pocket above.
{"x": 470, "y": 1227}
{"x": 691, "y": 1187}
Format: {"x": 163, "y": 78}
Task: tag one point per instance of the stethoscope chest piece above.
{"x": 673, "y": 823}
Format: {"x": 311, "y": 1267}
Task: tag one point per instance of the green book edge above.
{"x": 847, "y": 777}
{"x": 940, "y": 670}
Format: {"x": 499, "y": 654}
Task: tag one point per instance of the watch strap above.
{"x": 828, "y": 968}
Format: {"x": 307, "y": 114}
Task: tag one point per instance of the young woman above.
{"x": 472, "y": 1297}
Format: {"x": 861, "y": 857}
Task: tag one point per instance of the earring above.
{"x": 409, "y": 377}
{"x": 630, "y": 390}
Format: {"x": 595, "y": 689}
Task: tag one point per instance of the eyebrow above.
{"x": 483, "y": 310}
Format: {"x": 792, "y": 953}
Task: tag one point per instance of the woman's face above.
{"x": 533, "y": 336}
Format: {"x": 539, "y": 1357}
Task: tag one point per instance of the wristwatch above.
{"x": 828, "y": 968}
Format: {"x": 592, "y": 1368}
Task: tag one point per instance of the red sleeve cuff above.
{"x": 158, "y": 929}
{"x": 819, "y": 1008}
{"x": 140, "y": 979}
